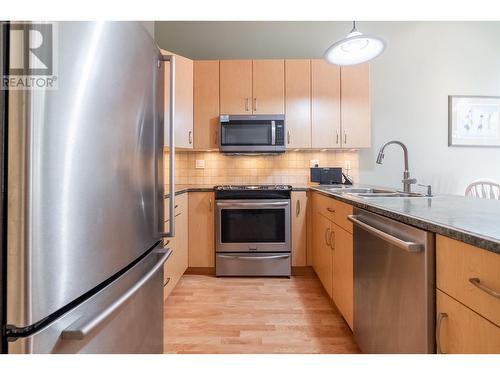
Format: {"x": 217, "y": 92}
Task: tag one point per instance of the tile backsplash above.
{"x": 291, "y": 167}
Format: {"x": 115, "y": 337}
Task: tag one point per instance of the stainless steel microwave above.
{"x": 252, "y": 133}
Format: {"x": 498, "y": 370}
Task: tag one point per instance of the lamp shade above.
{"x": 355, "y": 48}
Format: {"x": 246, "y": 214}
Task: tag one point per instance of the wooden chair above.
{"x": 483, "y": 189}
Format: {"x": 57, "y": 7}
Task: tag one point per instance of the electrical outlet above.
{"x": 200, "y": 164}
{"x": 348, "y": 164}
{"x": 313, "y": 163}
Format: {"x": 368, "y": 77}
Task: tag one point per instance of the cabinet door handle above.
{"x": 337, "y": 141}
{"x": 345, "y": 137}
{"x": 247, "y": 103}
{"x": 297, "y": 210}
{"x": 327, "y": 236}
{"x": 166, "y": 282}
{"x": 255, "y": 104}
{"x": 330, "y": 210}
{"x": 477, "y": 283}
{"x": 441, "y": 317}
{"x": 332, "y": 240}
{"x": 210, "y": 206}
{"x": 288, "y": 137}
{"x": 190, "y": 137}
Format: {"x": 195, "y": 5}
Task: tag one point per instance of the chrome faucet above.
{"x": 407, "y": 181}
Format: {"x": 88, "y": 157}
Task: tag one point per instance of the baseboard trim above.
{"x": 302, "y": 271}
{"x": 200, "y": 271}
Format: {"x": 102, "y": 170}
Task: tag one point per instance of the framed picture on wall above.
{"x": 474, "y": 121}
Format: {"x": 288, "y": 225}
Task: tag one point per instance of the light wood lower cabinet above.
{"x": 177, "y": 264}
{"x": 299, "y": 228}
{"x": 462, "y": 270}
{"x": 332, "y": 251}
{"x": 201, "y": 229}
{"x": 322, "y": 252}
{"x": 468, "y": 307}
{"x": 462, "y": 331}
{"x": 342, "y": 280}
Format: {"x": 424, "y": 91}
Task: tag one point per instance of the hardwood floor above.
{"x": 205, "y": 314}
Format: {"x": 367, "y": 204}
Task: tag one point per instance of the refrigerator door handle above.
{"x": 159, "y": 156}
{"x": 80, "y": 329}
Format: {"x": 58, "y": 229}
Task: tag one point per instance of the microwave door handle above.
{"x": 273, "y": 133}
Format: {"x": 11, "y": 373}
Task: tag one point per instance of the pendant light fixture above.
{"x": 355, "y": 48}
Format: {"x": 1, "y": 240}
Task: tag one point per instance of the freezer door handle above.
{"x": 159, "y": 157}
{"x": 83, "y": 327}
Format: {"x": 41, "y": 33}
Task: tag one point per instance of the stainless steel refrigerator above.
{"x": 82, "y": 252}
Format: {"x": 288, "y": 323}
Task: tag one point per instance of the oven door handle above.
{"x": 256, "y": 257}
{"x": 249, "y": 204}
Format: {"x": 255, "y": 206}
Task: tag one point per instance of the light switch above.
{"x": 200, "y": 164}
{"x": 313, "y": 163}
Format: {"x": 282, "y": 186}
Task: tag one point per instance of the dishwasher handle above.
{"x": 405, "y": 245}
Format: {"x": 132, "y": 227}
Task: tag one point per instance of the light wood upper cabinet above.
{"x": 235, "y": 87}
{"x": 183, "y": 101}
{"x": 206, "y": 104}
{"x": 268, "y": 87}
{"x": 299, "y": 228}
{"x": 298, "y": 103}
{"x": 355, "y": 106}
{"x": 325, "y": 106}
{"x": 343, "y": 279}
{"x": 201, "y": 229}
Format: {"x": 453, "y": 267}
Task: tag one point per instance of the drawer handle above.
{"x": 477, "y": 283}
{"x": 330, "y": 210}
{"x": 441, "y": 317}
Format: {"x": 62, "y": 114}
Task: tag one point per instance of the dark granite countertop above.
{"x": 181, "y": 189}
{"x": 470, "y": 220}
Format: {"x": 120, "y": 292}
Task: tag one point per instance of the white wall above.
{"x": 150, "y": 27}
{"x": 424, "y": 63}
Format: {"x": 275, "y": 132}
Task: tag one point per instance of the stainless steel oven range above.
{"x": 253, "y": 230}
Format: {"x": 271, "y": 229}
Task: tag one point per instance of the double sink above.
{"x": 367, "y": 193}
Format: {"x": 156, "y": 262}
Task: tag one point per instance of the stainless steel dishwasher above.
{"x": 394, "y": 285}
